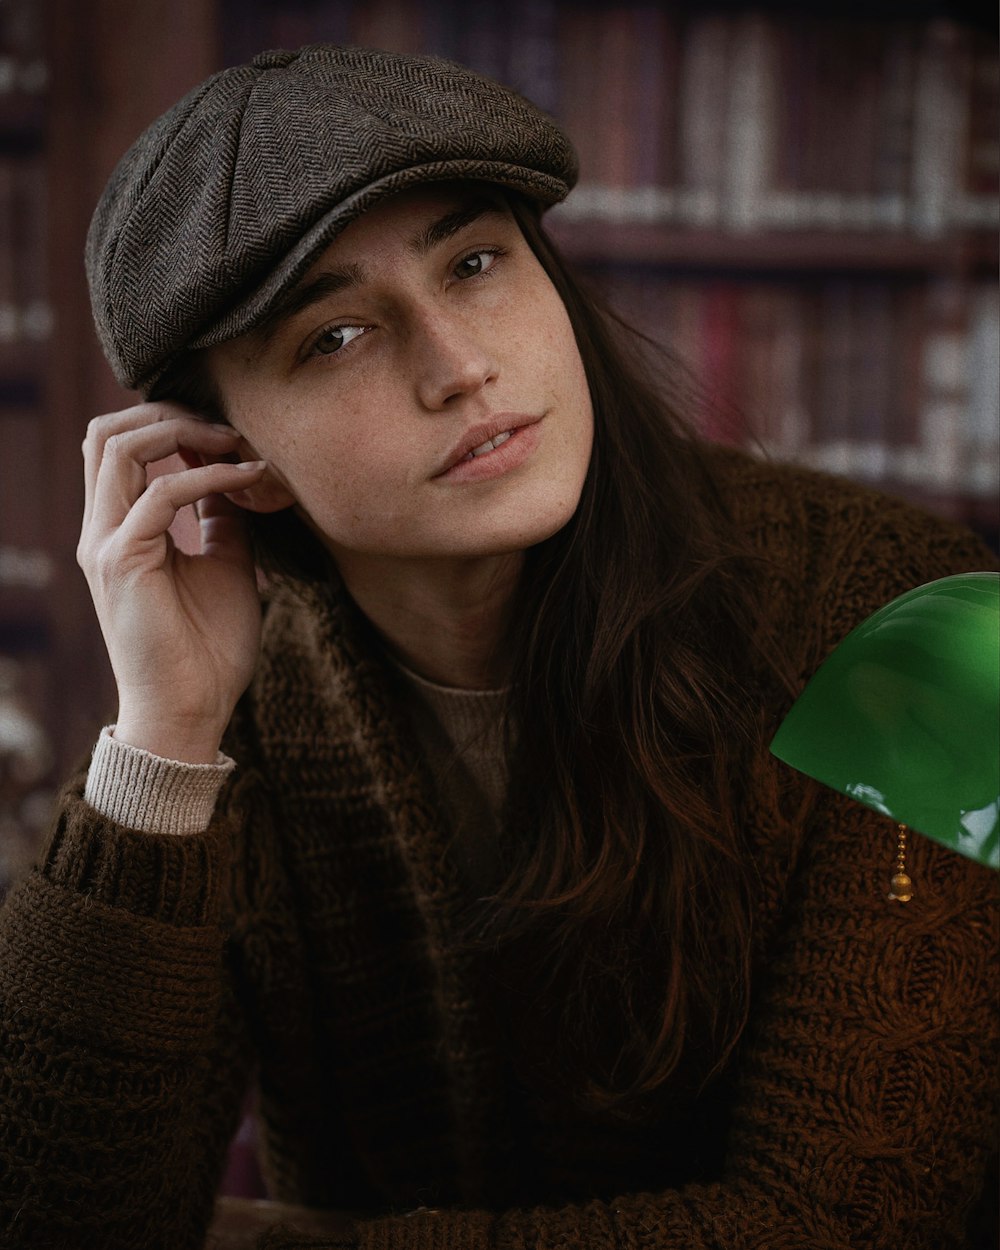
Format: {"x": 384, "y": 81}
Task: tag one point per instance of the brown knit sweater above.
{"x": 306, "y": 941}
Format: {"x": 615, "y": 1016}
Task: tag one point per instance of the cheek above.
{"x": 348, "y": 475}
{"x": 556, "y": 347}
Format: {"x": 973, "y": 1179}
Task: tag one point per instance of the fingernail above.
{"x": 223, "y": 429}
{"x": 251, "y": 466}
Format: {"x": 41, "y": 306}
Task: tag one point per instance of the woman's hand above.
{"x": 182, "y": 631}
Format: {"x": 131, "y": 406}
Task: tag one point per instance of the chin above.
{"x": 517, "y": 533}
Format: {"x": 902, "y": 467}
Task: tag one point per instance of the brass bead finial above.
{"x": 900, "y": 887}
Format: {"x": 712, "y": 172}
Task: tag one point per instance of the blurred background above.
{"x": 800, "y": 202}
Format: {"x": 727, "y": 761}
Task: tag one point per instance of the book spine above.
{"x": 940, "y": 117}
{"x": 945, "y": 398}
{"x": 978, "y": 205}
{"x": 723, "y": 420}
{"x": 703, "y": 96}
{"x": 871, "y": 362}
{"x": 833, "y": 424}
{"x": 771, "y": 370}
{"x": 750, "y": 124}
{"x": 533, "y": 53}
{"x": 793, "y": 101}
{"x": 10, "y": 319}
{"x": 616, "y": 102}
{"x": 23, "y": 490}
{"x": 29, "y": 239}
{"x": 981, "y": 475}
{"x": 901, "y": 422}
{"x": 655, "y": 32}
{"x": 576, "y": 95}
{"x": 859, "y": 78}
{"x": 788, "y": 421}
{"x": 894, "y": 151}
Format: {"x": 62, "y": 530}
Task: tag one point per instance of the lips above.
{"x": 484, "y": 438}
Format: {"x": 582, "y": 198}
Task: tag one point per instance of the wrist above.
{"x": 187, "y": 743}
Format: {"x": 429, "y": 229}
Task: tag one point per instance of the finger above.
{"x": 121, "y": 476}
{"x": 154, "y": 512}
{"x": 100, "y": 429}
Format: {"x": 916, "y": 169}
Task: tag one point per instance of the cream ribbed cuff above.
{"x": 150, "y": 794}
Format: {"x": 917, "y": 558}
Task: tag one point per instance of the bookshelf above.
{"x": 26, "y": 566}
{"x": 77, "y": 83}
{"x": 802, "y": 206}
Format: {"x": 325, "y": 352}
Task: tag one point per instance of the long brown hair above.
{"x": 635, "y": 721}
{"x": 632, "y": 722}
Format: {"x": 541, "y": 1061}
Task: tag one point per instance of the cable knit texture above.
{"x": 307, "y": 940}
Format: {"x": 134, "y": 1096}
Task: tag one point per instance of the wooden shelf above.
{"x": 639, "y": 243}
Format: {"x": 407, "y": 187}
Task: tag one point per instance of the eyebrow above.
{"x": 451, "y": 223}
{"x": 332, "y": 281}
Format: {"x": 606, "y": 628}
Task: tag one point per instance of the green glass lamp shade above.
{"x": 904, "y": 715}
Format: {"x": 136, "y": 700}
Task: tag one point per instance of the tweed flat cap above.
{"x": 224, "y": 202}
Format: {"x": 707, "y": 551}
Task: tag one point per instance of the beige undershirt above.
{"x": 461, "y": 736}
{"x": 459, "y": 732}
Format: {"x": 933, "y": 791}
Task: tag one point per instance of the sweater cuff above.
{"x": 150, "y": 794}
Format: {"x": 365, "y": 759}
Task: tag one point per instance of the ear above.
{"x": 269, "y": 494}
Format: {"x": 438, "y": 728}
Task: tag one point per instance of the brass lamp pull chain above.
{"x": 900, "y": 887}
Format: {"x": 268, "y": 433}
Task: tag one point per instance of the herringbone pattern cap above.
{"x": 224, "y": 202}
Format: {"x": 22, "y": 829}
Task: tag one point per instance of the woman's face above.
{"x": 420, "y": 393}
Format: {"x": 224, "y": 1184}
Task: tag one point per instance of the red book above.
{"x": 578, "y": 46}
{"x": 616, "y": 98}
{"x": 723, "y": 420}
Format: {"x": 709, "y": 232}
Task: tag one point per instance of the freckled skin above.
{"x": 445, "y": 339}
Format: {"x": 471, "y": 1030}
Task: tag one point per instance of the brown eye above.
{"x": 475, "y": 264}
{"x": 333, "y": 338}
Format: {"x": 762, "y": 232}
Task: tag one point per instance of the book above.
{"x": 533, "y": 52}
{"x": 894, "y": 143}
{"x": 705, "y": 58}
{"x": 23, "y": 492}
{"x": 749, "y": 124}
{"x": 941, "y": 100}
{"x": 655, "y": 31}
{"x": 978, "y": 205}
{"x": 981, "y": 468}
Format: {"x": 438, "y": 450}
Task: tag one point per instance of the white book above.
{"x": 703, "y": 118}
{"x": 940, "y": 123}
{"x": 982, "y": 412}
{"x": 750, "y": 123}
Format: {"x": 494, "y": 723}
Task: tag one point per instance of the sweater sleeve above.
{"x": 123, "y": 1053}
{"x": 151, "y": 794}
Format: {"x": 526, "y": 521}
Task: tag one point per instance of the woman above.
{"x": 493, "y": 889}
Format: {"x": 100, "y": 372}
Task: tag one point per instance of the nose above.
{"x": 451, "y": 360}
